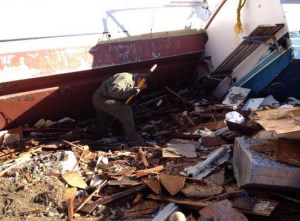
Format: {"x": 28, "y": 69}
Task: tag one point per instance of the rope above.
{"x": 238, "y": 29}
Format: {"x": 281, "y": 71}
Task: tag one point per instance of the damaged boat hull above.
{"x": 263, "y": 58}
{"x": 65, "y": 87}
{"x": 261, "y": 79}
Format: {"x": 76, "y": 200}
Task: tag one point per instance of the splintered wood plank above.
{"x": 143, "y": 157}
{"x": 91, "y": 195}
{"x": 69, "y": 196}
{"x": 173, "y": 184}
{"x": 153, "y": 184}
{"x": 141, "y": 173}
{"x": 74, "y": 179}
{"x": 285, "y": 122}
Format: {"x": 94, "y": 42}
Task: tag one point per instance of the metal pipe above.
{"x": 211, "y": 18}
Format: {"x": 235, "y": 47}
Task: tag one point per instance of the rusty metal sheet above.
{"x": 288, "y": 151}
{"x": 153, "y": 184}
{"x": 173, "y": 184}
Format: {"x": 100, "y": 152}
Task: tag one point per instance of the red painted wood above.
{"x": 56, "y": 95}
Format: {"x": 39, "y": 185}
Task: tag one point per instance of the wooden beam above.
{"x": 143, "y": 157}
{"x": 141, "y": 173}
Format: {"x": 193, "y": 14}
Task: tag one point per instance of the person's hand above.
{"x": 134, "y": 91}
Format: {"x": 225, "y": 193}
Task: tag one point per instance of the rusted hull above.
{"x": 66, "y": 86}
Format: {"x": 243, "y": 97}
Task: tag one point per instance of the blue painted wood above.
{"x": 286, "y": 84}
{"x": 264, "y": 73}
{"x": 295, "y": 42}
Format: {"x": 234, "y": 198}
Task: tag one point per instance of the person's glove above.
{"x": 134, "y": 91}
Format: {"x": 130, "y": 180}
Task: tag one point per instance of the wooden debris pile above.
{"x": 184, "y": 173}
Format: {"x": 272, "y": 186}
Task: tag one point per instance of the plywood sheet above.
{"x": 179, "y": 150}
{"x": 285, "y": 122}
{"x": 173, "y": 184}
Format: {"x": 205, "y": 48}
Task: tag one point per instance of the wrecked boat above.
{"x": 51, "y": 69}
{"x": 203, "y": 160}
{"x": 51, "y": 72}
{"x": 262, "y": 54}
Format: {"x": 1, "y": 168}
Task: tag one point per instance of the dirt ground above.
{"x": 42, "y": 201}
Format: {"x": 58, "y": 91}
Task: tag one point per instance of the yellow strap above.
{"x": 238, "y": 29}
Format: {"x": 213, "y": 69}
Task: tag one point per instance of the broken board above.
{"x": 285, "y": 122}
{"x": 179, "y": 150}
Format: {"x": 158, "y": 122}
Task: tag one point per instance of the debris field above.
{"x": 203, "y": 160}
